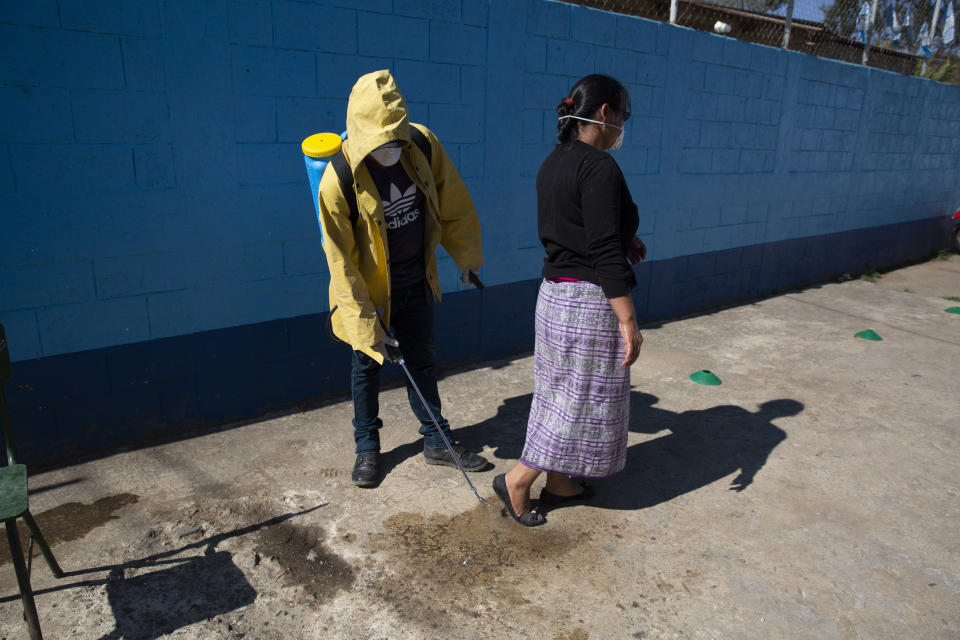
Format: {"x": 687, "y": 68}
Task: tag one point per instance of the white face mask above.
{"x": 387, "y": 156}
{"x": 616, "y": 143}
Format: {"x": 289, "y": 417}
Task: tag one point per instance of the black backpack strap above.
{"x": 345, "y": 176}
{"x": 421, "y": 141}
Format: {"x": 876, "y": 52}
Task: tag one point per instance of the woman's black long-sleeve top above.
{"x": 586, "y": 218}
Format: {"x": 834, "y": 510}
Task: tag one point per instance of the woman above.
{"x": 586, "y": 327}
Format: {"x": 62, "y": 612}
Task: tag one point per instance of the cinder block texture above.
{"x": 112, "y": 16}
{"x": 35, "y": 114}
{"x": 8, "y": 184}
{"x": 314, "y": 27}
{"x": 67, "y": 328}
{"x": 63, "y": 169}
{"x": 60, "y": 58}
{"x": 41, "y": 13}
{"x": 138, "y": 274}
{"x": 272, "y": 72}
{"x": 151, "y": 173}
{"x": 393, "y": 36}
{"x": 23, "y": 335}
{"x": 250, "y": 22}
{"x": 143, "y": 64}
{"x": 120, "y": 116}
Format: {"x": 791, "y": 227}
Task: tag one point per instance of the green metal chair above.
{"x": 14, "y": 504}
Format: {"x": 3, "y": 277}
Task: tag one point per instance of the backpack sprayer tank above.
{"x": 318, "y": 149}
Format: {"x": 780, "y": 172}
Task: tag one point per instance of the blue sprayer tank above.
{"x": 318, "y": 149}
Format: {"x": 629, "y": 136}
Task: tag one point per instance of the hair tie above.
{"x": 568, "y": 102}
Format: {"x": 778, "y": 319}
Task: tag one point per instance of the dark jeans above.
{"x": 412, "y": 318}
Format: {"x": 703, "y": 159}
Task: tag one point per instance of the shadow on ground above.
{"x": 154, "y": 604}
{"x": 700, "y": 447}
{"x": 158, "y": 594}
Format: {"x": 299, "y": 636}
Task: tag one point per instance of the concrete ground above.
{"x": 814, "y": 494}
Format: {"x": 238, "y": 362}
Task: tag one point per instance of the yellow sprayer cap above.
{"x": 321, "y": 145}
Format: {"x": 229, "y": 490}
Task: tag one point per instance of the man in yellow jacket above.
{"x": 383, "y": 271}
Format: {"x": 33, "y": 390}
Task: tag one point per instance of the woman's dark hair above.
{"x": 588, "y": 95}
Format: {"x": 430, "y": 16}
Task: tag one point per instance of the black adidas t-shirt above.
{"x": 403, "y": 207}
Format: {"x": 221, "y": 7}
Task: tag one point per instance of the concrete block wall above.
{"x": 149, "y": 153}
{"x": 156, "y": 215}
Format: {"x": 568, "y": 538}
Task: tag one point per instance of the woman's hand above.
{"x": 627, "y": 319}
{"x": 637, "y": 250}
{"x": 632, "y": 339}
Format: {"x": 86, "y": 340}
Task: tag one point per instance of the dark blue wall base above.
{"x": 697, "y": 282}
{"x": 70, "y": 405}
{"x": 63, "y": 406}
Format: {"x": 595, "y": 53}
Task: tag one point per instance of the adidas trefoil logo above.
{"x": 397, "y": 209}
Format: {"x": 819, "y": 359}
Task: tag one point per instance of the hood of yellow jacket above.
{"x": 376, "y": 114}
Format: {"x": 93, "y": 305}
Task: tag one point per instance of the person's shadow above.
{"x": 504, "y": 433}
{"x": 701, "y": 447}
{"x": 174, "y": 590}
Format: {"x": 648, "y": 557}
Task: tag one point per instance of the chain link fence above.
{"x": 913, "y": 37}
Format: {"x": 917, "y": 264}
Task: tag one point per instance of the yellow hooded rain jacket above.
{"x": 358, "y": 255}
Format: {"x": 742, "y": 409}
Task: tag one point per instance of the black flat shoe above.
{"x": 552, "y": 499}
{"x": 531, "y": 518}
{"x": 366, "y": 471}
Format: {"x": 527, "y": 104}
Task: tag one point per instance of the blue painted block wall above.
{"x": 153, "y": 193}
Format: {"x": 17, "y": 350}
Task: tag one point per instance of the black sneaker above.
{"x": 440, "y": 455}
{"x": 366, "y": 470}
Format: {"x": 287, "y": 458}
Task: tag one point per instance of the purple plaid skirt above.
{"x": 581, "y": 401}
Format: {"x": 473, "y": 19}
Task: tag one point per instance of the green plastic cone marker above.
{"x": 953, "y": 310}
{"x": 705, "y": 377}
{"x": 869, "y": 334}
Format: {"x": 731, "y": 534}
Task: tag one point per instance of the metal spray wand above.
{"x": 396, "y": 356}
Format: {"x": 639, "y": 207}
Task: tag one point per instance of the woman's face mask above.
{"x": 387, "y": 155}
{"x": 616, "y": 143}
{"x": 619, "y": 141}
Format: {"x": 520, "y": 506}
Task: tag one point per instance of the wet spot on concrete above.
{"x": 306, "y": 562}
{"x": 471, "y": 548}
{"x": 458, "y": 561}
{"x": 71, "y": 521}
